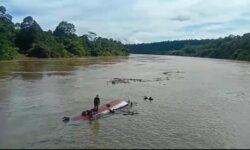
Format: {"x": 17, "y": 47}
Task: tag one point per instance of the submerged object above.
{"x": 103, "y": 109}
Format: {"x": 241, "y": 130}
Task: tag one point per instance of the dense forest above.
{"x": 28, "y": 39}
{"x": 230, "y": 47}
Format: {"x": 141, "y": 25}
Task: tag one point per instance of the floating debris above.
{"x": 158, "y": 79}
{"x": 168, "y": 76}
{"x": 125, "y": 81}
{"x": 133, "y": 112}
{"x": 171, "y": 72}
{"x": 166, "y": 73}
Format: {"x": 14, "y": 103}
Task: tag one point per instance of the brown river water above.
{"x": 198, "y": 102}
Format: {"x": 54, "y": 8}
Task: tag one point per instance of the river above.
{"x": 198, "y": 102}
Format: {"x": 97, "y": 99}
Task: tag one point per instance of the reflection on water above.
{"x": 95, "y": 127}
{"x": 198, "y": 103}
{"x": 36, "y": 69}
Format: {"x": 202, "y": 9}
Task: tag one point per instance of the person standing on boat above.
{"x": 96, "y": 102}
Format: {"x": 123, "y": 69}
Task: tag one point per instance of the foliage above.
{"x": 64, "y": 29}
{"x": 7, "y": 51}
{"x": 7, "y": 34}
{"x": 2, "y": 10}
{"x": 230, "y": 47}
{"x": 29, "y": 39}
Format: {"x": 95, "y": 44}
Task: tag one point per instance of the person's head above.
{"x": 97, "y": 96}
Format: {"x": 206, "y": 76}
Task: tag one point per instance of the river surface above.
{"x": 198, "y": 102}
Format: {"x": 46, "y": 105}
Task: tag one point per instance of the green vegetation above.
{"x": 231, "y": 47}
{"x": 7, "y": 34}
{"x": 28, "y": 38}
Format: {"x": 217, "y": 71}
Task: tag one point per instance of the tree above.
{"x": 8, "y": 17}
{"x": 29, "y": 22}
{"x": 2, "y": 10}
{"x": 64, "y": 29}
{"x": 7, "y": 51}
{"x": 75, "y": 47}
{"x": 7, "y": 48}
{"x": 29, "y": 34}
{"x": 17, "y": 26}
{"x": 4, "y": 16}
{"x": 29, "y": 39}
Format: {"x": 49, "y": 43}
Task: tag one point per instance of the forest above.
{"x": 28, "y": 39}
{"x": 230, "y": 47}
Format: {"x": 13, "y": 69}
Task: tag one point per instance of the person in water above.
{"x": 96, "y": 102}
{"x": 150, "y": 98}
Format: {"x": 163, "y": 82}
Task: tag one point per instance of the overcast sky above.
{"x": 139, "y": 20}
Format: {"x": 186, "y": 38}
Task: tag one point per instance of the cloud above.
{"x": 195, "y": 27}
{"x": 139, "y": 20}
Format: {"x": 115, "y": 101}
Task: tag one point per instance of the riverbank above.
{"x": 230, "y": 47}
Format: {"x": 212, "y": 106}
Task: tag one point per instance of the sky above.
{"x": 139, "y": 21}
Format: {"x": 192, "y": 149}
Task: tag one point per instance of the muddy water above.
{"x": 198, "y": 103}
